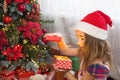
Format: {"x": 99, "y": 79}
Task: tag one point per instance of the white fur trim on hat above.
{"x": 91, "y": 30}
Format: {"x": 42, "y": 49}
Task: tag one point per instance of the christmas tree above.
{"x": 21, "y": 35}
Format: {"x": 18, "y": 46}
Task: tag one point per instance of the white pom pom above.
{"x": 38, "y": 77}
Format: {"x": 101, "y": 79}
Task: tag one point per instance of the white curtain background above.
{"x": 66, "y": 13}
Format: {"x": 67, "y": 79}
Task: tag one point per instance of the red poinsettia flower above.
{"x": 3, "y": 40}
{"x": 13, "y": 53}
{"x": 32, "y": 31}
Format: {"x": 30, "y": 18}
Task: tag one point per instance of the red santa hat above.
{"x": 95, "y": 24}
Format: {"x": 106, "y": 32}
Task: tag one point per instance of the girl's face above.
{"x": 81, "y": 38}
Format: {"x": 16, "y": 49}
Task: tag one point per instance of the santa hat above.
{"x": 95, "y": 24}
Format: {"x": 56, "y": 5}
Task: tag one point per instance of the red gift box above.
{"x": 26, "y": 74}
{"x": 7, "y": 75}
{"x": 22, "y": 74}
{"x": 62, "y": 62}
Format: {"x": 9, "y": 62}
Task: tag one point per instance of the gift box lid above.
{"x": 59, "y": 57}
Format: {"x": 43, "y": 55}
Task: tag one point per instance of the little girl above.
{"x": 93, "y": 50}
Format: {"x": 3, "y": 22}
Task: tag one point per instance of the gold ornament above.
{"x": 5, "y": 29}
{"x": 34, "y": 47}
{"x": 25, "y": 41}
{"x": 35, "y": 63}
{"x": 44, "y": 48}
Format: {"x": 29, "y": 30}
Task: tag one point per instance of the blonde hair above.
{"x": 95, "y": 49}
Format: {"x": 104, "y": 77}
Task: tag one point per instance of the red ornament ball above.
{"x": 44, "y": 30}
{"x": 21, "y": 7}
{"x": 7, "y": 19}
